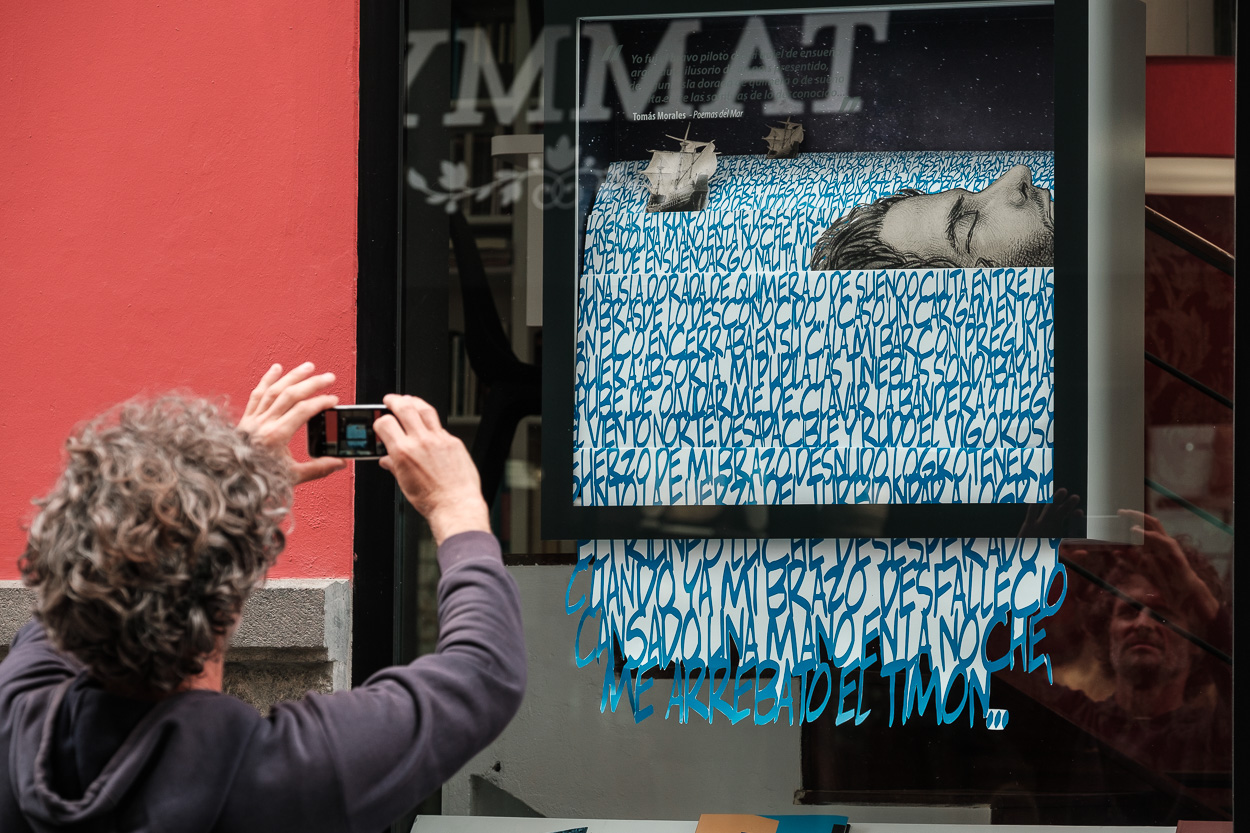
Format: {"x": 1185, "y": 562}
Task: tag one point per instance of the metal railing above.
{"x": 1212, "y": 255}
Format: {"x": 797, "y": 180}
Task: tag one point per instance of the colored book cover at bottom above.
{"x": 746, "y": 823}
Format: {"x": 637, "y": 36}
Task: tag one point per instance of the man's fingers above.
{"x": 1143, "y": 520}
{"x": 389, "y": 431}
{"x": 415, "y": 415}
{"x": 297, "y": 374}
{"x": 418, "y": 408}
{"x": 317, "y": 468}
{"x": 299, "y": 392}
{"x": 1163, "y": 544}
{"x": 1152, "y": 539}
{"x": 253, "y": 401}
{"x": 1159, "y": 561}
{"x": 1169, "y": 566}
{"x": 284, "y": 427}
{"x": 428, "y": 414}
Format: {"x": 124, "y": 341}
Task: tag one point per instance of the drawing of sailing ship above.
{"x": 677, "y": 179}
{"x": 784, "y": 140}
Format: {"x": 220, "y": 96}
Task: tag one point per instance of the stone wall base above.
{"x": 295, "y": 637}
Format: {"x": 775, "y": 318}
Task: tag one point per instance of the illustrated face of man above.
{"x": 1010, "y": 223}
{"x": 1143, "y": 650}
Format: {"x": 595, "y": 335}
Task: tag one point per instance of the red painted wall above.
{"x": 177, "y": 209}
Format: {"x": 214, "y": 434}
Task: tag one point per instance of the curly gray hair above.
{"x": 163, "y": 522}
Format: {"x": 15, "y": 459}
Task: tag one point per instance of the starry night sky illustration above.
{"x": 944, "y": 79}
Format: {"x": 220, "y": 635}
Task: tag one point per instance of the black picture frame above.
{"x": 561, "y": 519}
{"x": 379, "y": 329}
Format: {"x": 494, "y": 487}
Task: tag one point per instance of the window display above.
{"x": 821, "y": 368}
{"x": 815, "y": 274}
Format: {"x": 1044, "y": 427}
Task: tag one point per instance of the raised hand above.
{"x": 432, "y": 467}
{"x": 1041, "y": 519}
{"x": 1165, "y": 565}
{"x": 280, "y": 405}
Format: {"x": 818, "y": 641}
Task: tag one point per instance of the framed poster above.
{"x": 808, "y": 286}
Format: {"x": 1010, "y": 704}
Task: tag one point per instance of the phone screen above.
{"x": 346, "y": 431}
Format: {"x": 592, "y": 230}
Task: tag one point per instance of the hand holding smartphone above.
{"x": 346, "y": 431}
{"x": 433, "y": 468}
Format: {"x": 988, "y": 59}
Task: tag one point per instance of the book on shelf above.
{"x": 747, "y": 823}
{"x": 466, "y": 391}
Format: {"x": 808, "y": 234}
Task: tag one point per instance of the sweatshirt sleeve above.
{"x": 407, "y": 729}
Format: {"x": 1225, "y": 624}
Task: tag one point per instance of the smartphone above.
{"x": 346, "y": 431}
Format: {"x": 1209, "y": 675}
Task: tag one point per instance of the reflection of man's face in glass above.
{"x": 1143, "y": 650}
{"x": 1010, "y": 223}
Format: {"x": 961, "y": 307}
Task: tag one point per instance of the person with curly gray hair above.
{"x": 165, "y": 519}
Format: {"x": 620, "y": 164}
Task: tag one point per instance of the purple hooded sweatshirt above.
{"x": 75, "y": 758}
